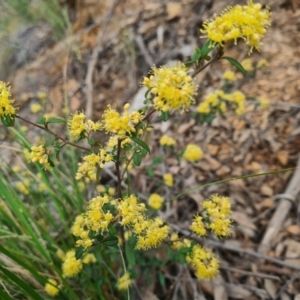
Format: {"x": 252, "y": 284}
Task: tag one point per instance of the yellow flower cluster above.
{"x": 166, "y": 141}
{"x": 78, "y": 127}
{"x": 121, "y": 125}
{"x": 172, "y": 87}
{"x": 192, "y": 153}
{"x": 6, "y": 107}
{"x": 248, "y": 22}
{"x": 40, "y": 154}
{"x": 81, "y": 230}
{"x": 71, "y": 266}
{"x": 87, "y": 171}
{"x": 124, "y": 282}
{"x": 150, "y": 232}
{"x": 247, "y": 64}
{"x": 35, "y": 108}
{"x": 217, "y": 219}
{"x": 51, "y": 288}
{"x": 155, "y": 201}
{"x": 89, "y": 258}
{"x": 168, "y": 179}
{"x": 203, "y": 261}
{"x": 217, "y": 101}
{"x": 177, "y": 243}
{"x": 94, "y": 219}
{"x": 229, "y": 76}
{"x": 264, "y": 103}
{"x": 218, "y": 210}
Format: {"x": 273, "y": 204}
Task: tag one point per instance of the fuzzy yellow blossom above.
{"x": 87, "y": 171}
{"x": 61, "y": 254}
{"x": 172, "y": 87}
{"x": 51, "y": 288}
{"x": 229, "y": 76}
{"x": 124, "y": 282}
{"x": 168, "y": 179}
{"x": 248, "y": 22}
{"x": 120, "y": 125}
{"x": 71, "y": 266}
{"x": 166, "y": 141}
{"x": 176, "y": 243}
{"x": 35, "y": 108}
{"x": 41, "y": 95}
{"x": 206, "y": 266}
{"x": 40, "y": 154}
{"x": 210, "y": 102}
{"x": 130, "y": 209}
{"x": 264, "y": 103}
{"x": 198, "y": 226}
{"x": 101, "y": 158}
{"x": 81, "y": 186}
{"x": 192, "y": 153}
{"x": 80, "y": 229}
{"x": 247, "y": 64}
{"x": 24, "y": 128}
{"x": 6, "y": 107}
{"x": 76, "y": 124}
{"x": 23, "y": 187}
{"x": 111, "y": 191}
{"x": 89, "y": 259}
{"x": 218, "y": 209}
{"x": 153, "y": 235}
{"x": 95, "y": 217}
{"x": 155, "y": 201}
{"x": 262, "y": 63}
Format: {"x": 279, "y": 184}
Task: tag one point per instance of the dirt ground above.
{"x": 112, "y": 46}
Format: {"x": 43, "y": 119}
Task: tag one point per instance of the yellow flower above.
{"x": 6, "y": 107}
{"x": 262, "y": 63}
{"x": 153, "y": 234}
{"x": 172, "y": 87}
{"x": 76, "y": 124}
{"x": 23, "y": 187}
{"x": 89, "y": 258}
{"x": 264, "y": 103}
{"x": 168, "y": 179}
{"x": 205, "y": 264}
{"x": 248, "y": 22}
{"x": 40, "y": 154}
{"x": 198, "y": 226}
{"x": 120, "y": 125}
{"x": 35, "y": 108}
{"x": 124, "y": 282}
{"x": 61, "y": 254}
{"x": 166, "y": 141}
{"x": 155, "y": 201}
{"x": 192, "y": 153}
{"x": 51, "y": 288}
{"x": 247, "y": 64}
{"x": 71, "y": 266}
{"x": 229, "y": 76}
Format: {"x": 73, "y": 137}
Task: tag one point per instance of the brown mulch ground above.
{"x": 104, "y": 61}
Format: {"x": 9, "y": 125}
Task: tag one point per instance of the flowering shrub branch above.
{"x": 169, "y": 89}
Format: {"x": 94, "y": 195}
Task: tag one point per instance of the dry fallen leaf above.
{"x": 174, "y": 10}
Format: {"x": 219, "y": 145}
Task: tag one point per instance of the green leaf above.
{"x": 196, "y": 57}
{"x": 162, "y": 279}
{"x": 206, "y": 49}
{"x": 165, "y": 116}
{"x": 129, "y": 252}
{"x": 141, "y": 143}
{"x": 236, "y": 64}
{"x": 112, "y": 230}
{"x": 111, "y": 241}
{"x": 137, "y": 159}
{"x": 91, "y": 142}
{"x": 150, "y": 171}
{"x": 8, "y": 120}
{"x": 55, "y": 120}
{"x": 146, "y": 94}
{"x": 42, "y": 121}
{"x": 144, "y": 152}
{"x": 98, "y": 173}
{"x": 79, "y": 252}
{"x": 24, "y": 286}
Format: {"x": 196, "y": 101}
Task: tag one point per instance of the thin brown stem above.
{"x": 117, "y": 163}
{"x": 54, "y": 134}
{"x": 218, "y": 56}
